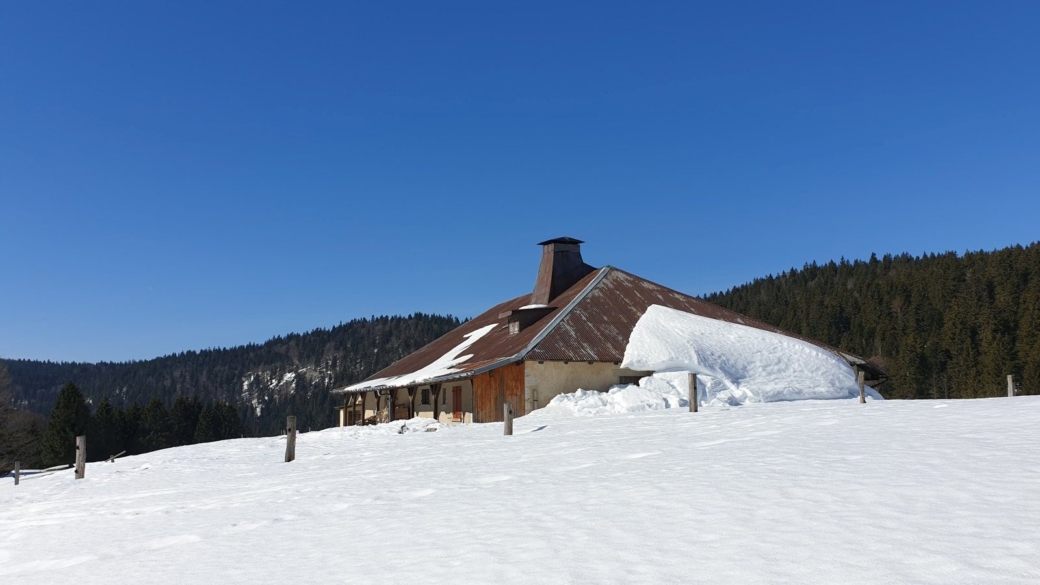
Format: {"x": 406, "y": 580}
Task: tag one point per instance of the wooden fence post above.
{"x": 81, "y": 456}
{"x": 507, "y": 418}
{"x": 1011, "y": 385}
{"x": 290, "y": 438}
{"x": 17, "y": 472}
{"x": 861, "y": 379}
{"x": 693, "y": 397}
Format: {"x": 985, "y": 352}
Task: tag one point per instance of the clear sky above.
{"x": 183, "y": 175}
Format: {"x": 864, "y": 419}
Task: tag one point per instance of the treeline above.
{"x": 112, "y": 430}
{"x": 290, "y": 374}
{"x": 944, "y": 325}
{"x": 247, "y": 390}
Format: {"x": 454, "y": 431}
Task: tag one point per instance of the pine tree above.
{"x": 154, "y": 431}
{"x": 184, "y": 419}
{"x": 229, "y": 424}
{"x": 128, "y": 422}
{"x": 103, "y": 439}
{"x": 207, "y": 429}
{"x": 69, "y": 419}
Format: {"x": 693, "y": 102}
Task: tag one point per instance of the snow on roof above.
{"x": 442, "y": 366}
{"x": 736, "y": 363}
{"x": 591, "y": 321}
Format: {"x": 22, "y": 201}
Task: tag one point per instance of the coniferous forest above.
{"x": 942, "y": 325}
{"x": 196, "y": 396}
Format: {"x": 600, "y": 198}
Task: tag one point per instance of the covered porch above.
{"x": 447, "y": 402}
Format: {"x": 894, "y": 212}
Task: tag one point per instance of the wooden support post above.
{"x": 81, "y": 456}
{"x": 1011, "y": 385}
{"x": 290, "y": 438}
{"x": 861, "y": 379}
{"x": 693, "y": 397}
{"x": 436, "y": 390}
{"x": 411, "y": 402}
{"x": 17, "y": 472}
{"x": 390, "y": 405}
{"x": 507, "y": 418}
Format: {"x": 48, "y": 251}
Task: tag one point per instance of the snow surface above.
{"x": 735, "y": 364}
{"x": 815, "y": 492}
{"x": 442, "y": 366}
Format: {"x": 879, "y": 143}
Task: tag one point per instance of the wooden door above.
{"x": 456, "y": 402}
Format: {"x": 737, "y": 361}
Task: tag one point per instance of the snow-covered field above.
{"x": 797, "y": 492}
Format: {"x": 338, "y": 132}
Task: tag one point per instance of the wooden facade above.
{"x": 493, "y": 388}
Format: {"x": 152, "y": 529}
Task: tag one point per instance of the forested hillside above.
{"x": 945, "y": 325}
{"x": 285, "y": 375}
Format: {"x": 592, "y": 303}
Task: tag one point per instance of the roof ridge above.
{"x": 559, "y": 317}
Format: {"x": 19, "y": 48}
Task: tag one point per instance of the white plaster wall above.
{"x": 543, "y": 381}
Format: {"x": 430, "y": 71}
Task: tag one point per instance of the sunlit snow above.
{"x": 442, "y": 366}
{"x": 813, "y": 492}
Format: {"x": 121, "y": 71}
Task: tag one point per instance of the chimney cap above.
{"x": 563, "y": 240}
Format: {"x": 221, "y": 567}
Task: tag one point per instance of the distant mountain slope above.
{"x": 290, "y": 374}
{"x": 946, "y": 325}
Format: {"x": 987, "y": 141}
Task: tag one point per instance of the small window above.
{"x": 444, "y": 398}
{"x": 426, "y": 396}
{"x": 629, "y": 379}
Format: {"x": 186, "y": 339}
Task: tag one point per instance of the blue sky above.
{"x": 186, "y": 175}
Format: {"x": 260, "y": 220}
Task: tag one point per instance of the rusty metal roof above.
{"x": 496, "y": 347}
{"x": 591, "y": 321}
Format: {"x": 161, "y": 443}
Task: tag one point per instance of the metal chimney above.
{"x": 561, "y": 267}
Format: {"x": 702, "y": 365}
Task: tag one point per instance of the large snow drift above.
{"x": 736, "y": 363}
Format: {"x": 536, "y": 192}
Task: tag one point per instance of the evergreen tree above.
{"x": 19, "y": 432}
{"x": 208, "y": 427}
{"x": 103, "y": 439}
{"x": 229, "y": 425}
{"x": 154, "y": 431}
{"x": 69, "y": 419}
{"x": 184, "y": 419}
{"x": 128, "y": 422}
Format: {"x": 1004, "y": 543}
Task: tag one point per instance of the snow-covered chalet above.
{"x": 570, "y": 333}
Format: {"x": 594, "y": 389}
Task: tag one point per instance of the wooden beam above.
{"x": 693, "y": 397}
{"x": 17, "y": 472}
{"x": 507, "y": 418}
{"x": 81, "y": 456}
{"x": 435, "y": 389}
{"x": 290, "y": 438}
{"x": 861, "y": 380}
{"x": 411, "y": 402}
{"x": 1011, "y": 385}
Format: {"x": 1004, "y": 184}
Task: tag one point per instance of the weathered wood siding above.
{"x": 494, "y": 388}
